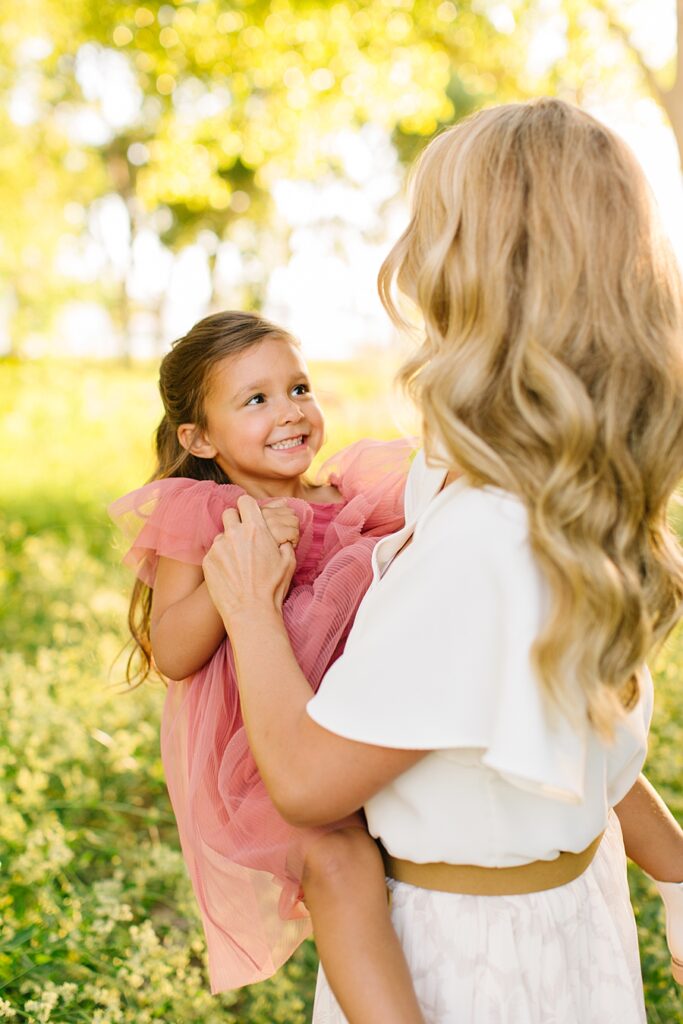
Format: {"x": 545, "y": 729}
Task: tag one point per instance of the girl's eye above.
{"x": 301, "y": 389}
{"x": 256, "y": 399}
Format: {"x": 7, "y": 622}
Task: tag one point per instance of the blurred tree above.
{"x": 171, "y": 120}
{"x": 670, "y": 97}
{"x": 36, "y": 169}
{"x": 186, "y": 113}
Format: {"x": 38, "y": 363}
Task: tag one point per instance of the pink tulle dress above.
{"x": 244, "y": 860}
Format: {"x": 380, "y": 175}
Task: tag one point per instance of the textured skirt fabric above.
{"x": 566, "y": 956}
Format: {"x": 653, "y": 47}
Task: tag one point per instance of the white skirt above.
{"x": 565, "y": 956}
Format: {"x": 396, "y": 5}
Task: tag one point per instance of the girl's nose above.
{"x": 291, "y": 412}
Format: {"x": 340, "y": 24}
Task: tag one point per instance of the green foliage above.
{"x": 664, "y": 768}
{"x": 223, "y": 100}
{"x": 229, "y": 98}
{"x": 97, "y": 920}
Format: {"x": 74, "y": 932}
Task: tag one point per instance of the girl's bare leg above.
{"x": 652, "y": 837}
{"x": 345, "y": 892}
{"x": 654, "y": 840}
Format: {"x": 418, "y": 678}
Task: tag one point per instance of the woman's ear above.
{"x": 195, "y": 441}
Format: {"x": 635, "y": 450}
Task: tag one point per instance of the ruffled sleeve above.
{"x": 369, "y": 466}
{"x": 363, "y": 464}
{"x": 175, "y": 518}
{"x": 371, "y": 477}
{"x": 439, "y": 656}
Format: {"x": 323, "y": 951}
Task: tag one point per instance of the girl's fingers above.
{"x": 288, "y": 558}
{"x": 279, "y": 515}
{"x": 288, "y": 567}
{"x": 247, "y": 563}
{"x": 282, "y": 523}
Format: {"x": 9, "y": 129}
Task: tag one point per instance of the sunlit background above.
{"x": 164, "y": 160}
{"x": 160, "y": 160}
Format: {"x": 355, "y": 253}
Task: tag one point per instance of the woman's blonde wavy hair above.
{"x": 551, "y": 366}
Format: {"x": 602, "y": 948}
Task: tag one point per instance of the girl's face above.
{"x": 264, "y": 425}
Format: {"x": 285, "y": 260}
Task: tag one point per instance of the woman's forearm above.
{"x": 273, "y": 695}
{"x": 312, "y": 775}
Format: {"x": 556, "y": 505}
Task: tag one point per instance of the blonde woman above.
{"x": 492, "y": 703}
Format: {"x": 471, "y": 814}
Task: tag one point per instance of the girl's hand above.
{"x": 282, "y": 522}
{"x": 245, "y": 569}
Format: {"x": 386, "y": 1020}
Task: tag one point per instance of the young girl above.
{"x": 240, "y": 417}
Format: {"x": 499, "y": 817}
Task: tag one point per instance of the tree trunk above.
{"x": 672, "y": 99}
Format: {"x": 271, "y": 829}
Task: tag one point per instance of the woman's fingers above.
{"x": 230, "y": 518}
{"x": 249, "y": 510}
{"x": 279, "y": 519}
{"x": 245, "y": 565}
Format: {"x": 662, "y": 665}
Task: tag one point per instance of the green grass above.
{"x": 97, "y": 921}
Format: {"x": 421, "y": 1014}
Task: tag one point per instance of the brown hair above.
{"x": 551, "y": 365}
{"x": 184, "y": 380}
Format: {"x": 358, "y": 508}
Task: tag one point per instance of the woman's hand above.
{"x": 282, "y": 522}
{"x": 245, "y": 569}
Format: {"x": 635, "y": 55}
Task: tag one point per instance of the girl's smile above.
{"x": 288, "y": 444}
{"x": 263, "y": 424}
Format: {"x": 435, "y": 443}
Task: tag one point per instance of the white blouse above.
{"x": 439, "y": 659}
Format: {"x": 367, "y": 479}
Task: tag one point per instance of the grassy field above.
{"x": 97, "y": 921}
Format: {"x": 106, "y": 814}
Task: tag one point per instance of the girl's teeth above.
{"x": 293, "y": 443}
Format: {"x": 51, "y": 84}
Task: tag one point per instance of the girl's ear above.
{"x": 195, "y": 441}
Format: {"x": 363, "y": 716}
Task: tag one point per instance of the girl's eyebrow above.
{"x": 262, "y": 385}
{"x": 259, "y": 385}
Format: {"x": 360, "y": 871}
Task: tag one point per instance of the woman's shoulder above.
{"x": 475, "y": 518}
{"x": 424, "y": 480}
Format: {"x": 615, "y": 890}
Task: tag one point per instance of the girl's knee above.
{"x": 342, "y": 859}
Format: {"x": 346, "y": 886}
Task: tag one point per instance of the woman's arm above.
{"x": 186, "y": 629}
{"x": 313, "y": 776}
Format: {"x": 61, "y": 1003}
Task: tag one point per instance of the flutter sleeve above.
{"x": 375, "y": 471}
{"x": 175, "y": 518}
{"x": 440, "y": 654}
